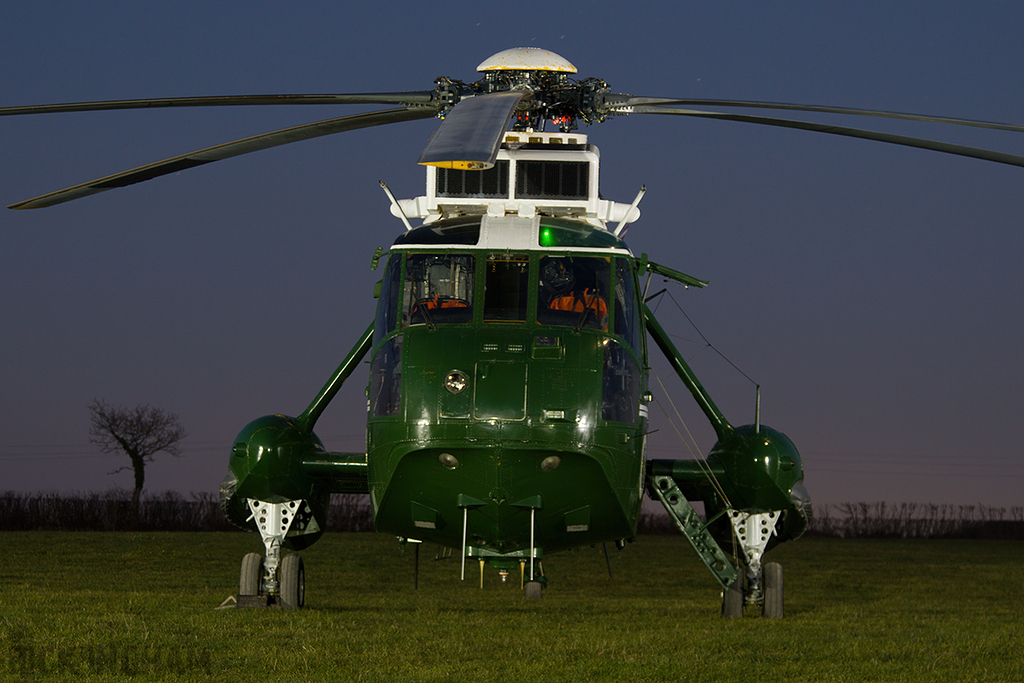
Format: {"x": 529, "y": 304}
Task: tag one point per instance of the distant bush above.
{"x": 349, "y": 512}
{"x": 886, "y": 520}
{"x": 109, "y": 511}
{"x": 913, "y": 520}
{"x": 655, "y": 523}
{"x": 168, "y": 511}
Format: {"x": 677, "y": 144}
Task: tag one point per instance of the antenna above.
{"x": 396, "y": 205}
{"x": 620, "y": 229}
{"x": 757, "y": 410}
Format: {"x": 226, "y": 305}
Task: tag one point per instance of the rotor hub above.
{"x": 556, "y": 98}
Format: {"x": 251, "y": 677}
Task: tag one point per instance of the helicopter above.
{"x": 508, "y": 395}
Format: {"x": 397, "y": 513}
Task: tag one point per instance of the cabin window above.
{"x": 505, "y": 287}
{"x": 446, "y": 232}
{"x": 620, "y": 385}
{"x": 627, "y": 319}
{"x": 438, "y": 289}
{"x": 386, "y": 379}
{"x": 387, "y": 306}
{"x": 573, "y": 291}
{"x": 556, "y": 233}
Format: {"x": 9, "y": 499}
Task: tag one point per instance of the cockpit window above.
{"x": 453, "y": 231}
{"x": 574, "y": 291}
{"x": 620, "y": 385}
{"x": 505, "y": 288}
{"x": 555, "y": 232}
{"x": 438, "y": 289}
{"x": 387, "y": 306}
{"x": 627, "y": 323}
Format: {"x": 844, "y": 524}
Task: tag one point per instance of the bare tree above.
{"x": 139, "y": 433}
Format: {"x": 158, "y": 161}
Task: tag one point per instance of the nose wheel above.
{"x": 732, "y": 600}
{"x": 275, "y": 580}
{"x": 759, "y": 584}
{"x": 766, "y": 591}
{"x": 774, "y": 593}
{"x": 293, "y": 582}
{"x": 250, "y": 581}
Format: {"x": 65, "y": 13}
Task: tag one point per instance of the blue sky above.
{"x": 874, "y": 292}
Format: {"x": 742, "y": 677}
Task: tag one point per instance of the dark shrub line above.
{"x": 887, "y": 520}
{"x": 913, "y": 520}
{"x": 170, "y": 511}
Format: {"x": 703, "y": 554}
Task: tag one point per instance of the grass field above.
{"x": 106, "y": 606}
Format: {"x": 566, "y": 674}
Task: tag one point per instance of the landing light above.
{"x": 551, "y": 462}
{"x": 448, "y": 460}
{"x": 455, "y": 382}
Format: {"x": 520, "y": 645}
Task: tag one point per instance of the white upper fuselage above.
{"x": 536, "y": 174}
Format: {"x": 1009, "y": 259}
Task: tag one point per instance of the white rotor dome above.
{"x": 526, "y": 59}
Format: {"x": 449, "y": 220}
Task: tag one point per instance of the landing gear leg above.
{"x": 534, "y": 585}
{"x": 273, "y": 581}
{"x": 747, "y": 583}
{"x": 765, "y": 588}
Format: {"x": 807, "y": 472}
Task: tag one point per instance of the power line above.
{"x": 82, "y": 451}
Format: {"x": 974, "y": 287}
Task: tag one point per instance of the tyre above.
{"x": 292, "y": 576}
{"x": 250, "y": 581}
{"x": 774, "y": 591}
{"x": 732, "y": 599}
{"x": 534, "y": 590}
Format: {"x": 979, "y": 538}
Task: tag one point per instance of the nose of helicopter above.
{"x": 494, "y": 497}
{"x": 267, "y": 459}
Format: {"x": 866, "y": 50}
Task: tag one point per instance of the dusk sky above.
{"x": 875, "y": 292}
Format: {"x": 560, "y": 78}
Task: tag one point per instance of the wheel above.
{"x": 732, "y": 599}
{"x": 250, "y": 581}
{"x": 534, "y": 590}
{"x": 774, "y": 591}
{"x": 292, "y": 576}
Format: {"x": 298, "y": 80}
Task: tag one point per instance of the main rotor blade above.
{"x": 402, "y": 98}
{"x": 618, "y": 101}
{"x": 948, "y": 148}
{"x": 225, "y": 151}
{"x": 470, "y": 135}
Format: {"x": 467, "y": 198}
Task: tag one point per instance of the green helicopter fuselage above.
{"x": 506, "y": 386}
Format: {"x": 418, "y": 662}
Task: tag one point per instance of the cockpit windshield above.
{"x": 438, "y": 289}
{"x": 573, "y": 291}
{"x": 560, "y": 289}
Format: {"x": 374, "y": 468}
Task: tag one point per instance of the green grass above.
{"x": 105, "y": 606}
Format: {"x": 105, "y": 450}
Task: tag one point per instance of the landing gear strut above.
{"x": 764, "y": 587}
{"x": 746, "y": 583}
{"x": 274, "y": 581}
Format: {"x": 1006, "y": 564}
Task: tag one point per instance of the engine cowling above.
{"x": 266, "y": 465}
{"x": 761, "y": 467}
